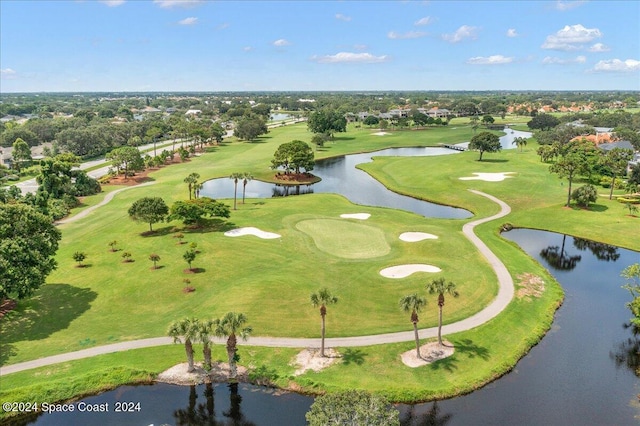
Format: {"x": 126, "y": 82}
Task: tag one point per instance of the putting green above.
{"x": 345, "y": 239}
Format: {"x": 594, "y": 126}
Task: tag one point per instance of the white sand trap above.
{"x": 403, "y": 271}
{"x": 413, "y": 237}
{"x": 489, "y": 177}
{"x": 431, "y": 352}
{"x": 359, "y": 216}
{"x": 380, "y": 133}
{"x": 239, "y": 232}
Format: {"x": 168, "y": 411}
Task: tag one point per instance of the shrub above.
{"x": 585, "y": 195}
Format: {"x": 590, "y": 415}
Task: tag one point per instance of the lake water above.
{"x": 581, "y": 373}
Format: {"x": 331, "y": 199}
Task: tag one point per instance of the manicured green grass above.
{"x": 346, "y": 239}
{"x": 111, "y": 301}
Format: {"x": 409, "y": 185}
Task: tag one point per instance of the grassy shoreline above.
{"x": 484, "y": 353}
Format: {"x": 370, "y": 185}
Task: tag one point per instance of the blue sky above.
{"x": 194, "y": 45}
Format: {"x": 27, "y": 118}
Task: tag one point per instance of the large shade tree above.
{"x": 616, "y": 162}
{"x": 413, "y": 303}
{"x": 126, "y": 158}
{"x": 185, "y": 331}
{"x": 441, "y": 287}
{"x": 293, "y": 156}
{"x": 149, "y": 210}
{"x": 193, "y": 212}
{"x": 322, "y": 298}
{"x": 327, "y": 121}
{"x": 485, "y": 142}
{"x": 232, "y": 326}
{"x": 28, "y": 243}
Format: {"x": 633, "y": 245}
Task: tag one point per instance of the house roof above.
{"x": 618, "y": 144}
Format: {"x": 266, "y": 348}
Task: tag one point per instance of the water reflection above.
{"x": 601, "y": 251}
{"x": 558, "y": 258}
{"x": 204, "y": 413}
{"x": 432, "y": 417}
{"x": 627, "y": 352}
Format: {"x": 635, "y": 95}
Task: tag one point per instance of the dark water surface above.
{"x": 340, "y": 176}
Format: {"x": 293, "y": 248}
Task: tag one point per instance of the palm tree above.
{"x": 154, "y": 258}
{"x": 414, "y": 304}
{"x": 323, "y": 298}
{"x": 439, "y": 286}
{"x": 235, "y": 177}
{"x": 520, "y": 142}
{"x": 186, "y": 328}
{"x": 203, "y": 333}
{"x": 230, "y": 325}
{"x": 192, "y": 181}
{"x": 246, "y": 177}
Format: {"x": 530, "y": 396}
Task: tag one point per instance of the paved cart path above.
{"x": 505, "y": 294}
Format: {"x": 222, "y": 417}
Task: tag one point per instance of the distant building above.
{"x": 193, "y": 112}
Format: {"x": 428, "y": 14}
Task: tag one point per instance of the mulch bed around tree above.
{"x": 6, "y": 306}
{"x": 296, "y": 177}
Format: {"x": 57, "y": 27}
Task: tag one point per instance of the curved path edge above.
{"x": 505, "y": 294}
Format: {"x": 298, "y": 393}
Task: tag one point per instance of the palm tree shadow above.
{"x": 355, "y": 356}
{"x": 433, "y": 417}
{"x": 467, "y": 347}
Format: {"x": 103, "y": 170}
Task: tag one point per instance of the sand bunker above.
{"x": 380, "y": 133}
{"x": 251, "y": 231}
{"x": 413, "y": 237}
{"x": 310, "y": 359}
{"x": 360, "y": 216}
{"x": 403, "y": 271}
{"x": 489, "y": 177}
{"x": 431, "y": 352}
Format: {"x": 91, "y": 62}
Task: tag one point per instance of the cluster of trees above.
{"x": 60, "y": 185}
{"x": 191, "y": 212}
{"x": 632, "y": 276}
{"x": 293, "y": 156}
{"x": 192, "y": 330}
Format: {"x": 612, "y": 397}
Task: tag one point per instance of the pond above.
{"x": 340, "y": 176}
{"x": 582, "y": 372}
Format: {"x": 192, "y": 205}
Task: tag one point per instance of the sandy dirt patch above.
{"x": 530, "y": 286}
{"x": 430, "y": 352}
{"x": 403, "y": 271}
{"x": 359, "y": 216}
{"x": 489, "y": 177}
{"x": 239, "y": 232}
{"x": 380, "y": 133}
{"x": 178, "y": 374}
{"x": 413, "y": 237}
{"x": 310, "y": 359}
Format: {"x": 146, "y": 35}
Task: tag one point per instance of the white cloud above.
{"x": 571, "y": 37}
{"x": 7, "y": 74}
{"x": 281, "y": 43}
{"x": 462, "y": 33}
{"x": 511, "y": 32}
{"x": 113, "y": 3}
{"x": 599, "y": 47}
{"x": 410, "y": 34}
{"x": 424, "y": 21}
{"x": 617, "y": 65}
{"x": 167, "y": 4}
{"x": 223, "y": 26}
{"x": 247, "y": 48}
{"x": 349, "y": 57}
{"x": 554, "y": 60}
{"x": 490, "y": 60}
{"x": 568, "y": 5}
{"x": 341, "y": 17}
{"x": 188, "y": 21}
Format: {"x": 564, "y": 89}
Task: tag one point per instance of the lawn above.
{"x": 271, "y": 280}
